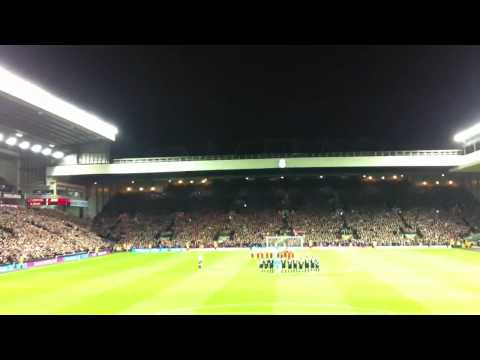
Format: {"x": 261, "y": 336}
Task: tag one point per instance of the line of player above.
{"x": 289, "y": 265}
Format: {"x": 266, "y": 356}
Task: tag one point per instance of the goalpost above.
{"x": 283, "y": 242}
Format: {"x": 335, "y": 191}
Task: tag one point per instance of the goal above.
{"x": 284, "y": 241}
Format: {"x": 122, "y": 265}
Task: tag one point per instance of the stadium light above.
{"x": 370, "y": 177}
{"x": 321, "y": 176}
{"x": 394, "y": 177}
{"x": 204, "y": 181}
{"x": 450, "y": 182}
{"x": 437, "y": 182}
{"x": 34, "y": 95}
{"x": 246, "y": 178}
{"x": 443, "y": 175}
{"x": 401, "y": 175}
{"x": 133, "y": 181}
{"x": 152, "y": 188}
{"x": 129, "y": 188}
{"x": 437, "y": 211}
{"x": 180, "y": 181}
{"x": 282, "y": 177}
{"x": 1, "y": 137}
{"x": 51, "y": 145}
{"x": 191, "y": 181}
{"x": 467, "y": 134}
{"x": 140, "y": 188}
{"x": 245, "y": 205}
{"x": 11, "y": 141}
{"x": 424, "y": 183}
{"x": 95, "y": 183}
{"x": 24, "y": 145}
{"x": 46, "y": 151}
{"x": 169, "y": 180}
{"x": 383, "y": 177}
{"x": 58, "y": 154}
{"x": 364, "y": 176}
{"x": 36, "y": 148}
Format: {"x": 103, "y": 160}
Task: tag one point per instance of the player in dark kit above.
{"x": 295, "y": 265}
{"x": 306, "y": 265}
{"x": 284, "y": 265}
{"x": 260, "y": 265}
{"x": 300, "y": 265}
{"x": 271, "y": 265}
{"x": 290, "y": 265}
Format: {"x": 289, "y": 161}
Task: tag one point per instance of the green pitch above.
{"x": 351, "y": 281}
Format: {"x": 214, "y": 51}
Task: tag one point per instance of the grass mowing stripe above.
{"x": 366, "y": 291}
{"x": 69, "y": 290}
{"x": 184, "y": 295}
{"x": 246, "y": 289}
{"x": 162, "y": 271}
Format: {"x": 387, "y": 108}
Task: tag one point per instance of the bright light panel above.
{"x": 36, "y": 148}
{"x": 141, "y": 189}
{"x": 58, "y": 154}
{"x": 464, "y": 135}
{"x": 33, "y": 94}
{"x": 24, "y": 145}
{"x": 46, "y": 151}
{"x": 11, "y": 141}
{"x": 1, "y": 137}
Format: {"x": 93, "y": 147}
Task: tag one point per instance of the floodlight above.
{"x": 129, "y": 188}
{"x": 383, "y": 177}
{"x": 95, "y": 183}
{"x": 140, "y": 188}
{"x": 364, "y": 176}
{"x": 191, "y": 181}
{"x": 152, "y": 188}
{"x": 46, "y": 151}
{"x": 36, "y": 148}
{"x": 36, "y": 96}
{"x": 282, "y": 177}
{"x": 394, "y": 177}
{"x": 133, "y": 181}
{"x": 370, "y": 177}
{"x": 180, "y": 181}
{"x": 58, "y": 154}
{"x": 450, "y": 182}
{"x": 24, "y": 145}
{"x": 424, "y": 183}
{"x": 204, "y": 181}
{"x": 437, "y": 182}
{"x": 467, "y": 134}
{"x": 11, "y": 141}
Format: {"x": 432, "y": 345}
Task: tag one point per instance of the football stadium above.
{"x": 389, "y": 232}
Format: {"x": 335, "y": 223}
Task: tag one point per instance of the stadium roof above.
{"x": 27, "y": 108}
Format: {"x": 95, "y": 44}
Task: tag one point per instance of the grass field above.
{"x": 351, "y": 281}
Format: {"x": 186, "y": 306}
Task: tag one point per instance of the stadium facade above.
{"x": 50, "y": 150}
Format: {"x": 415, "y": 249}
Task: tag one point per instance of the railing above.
{"x": 291, "y": 155}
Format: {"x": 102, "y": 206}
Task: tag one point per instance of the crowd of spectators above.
{"x": 27, "y": 235}
{"x": 241, "y": 217}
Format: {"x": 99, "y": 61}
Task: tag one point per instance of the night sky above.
{"x": 228, "y": 99}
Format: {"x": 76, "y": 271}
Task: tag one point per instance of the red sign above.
{"x": 59, "y": 201}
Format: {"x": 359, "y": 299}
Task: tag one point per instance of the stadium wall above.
{"x": 9, "y": 170}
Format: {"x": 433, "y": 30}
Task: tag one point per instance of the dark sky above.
{"x": 214, "y": 99}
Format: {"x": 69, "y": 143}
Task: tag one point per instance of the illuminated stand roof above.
{"x": 43, "y": 118}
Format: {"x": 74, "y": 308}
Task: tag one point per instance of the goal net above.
{"x": 283, "y": 242}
